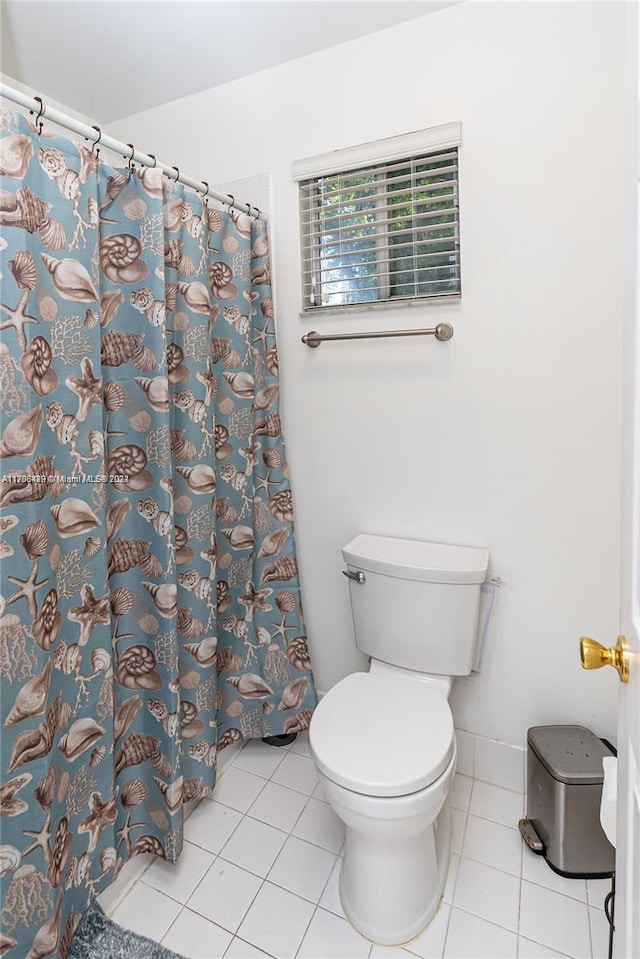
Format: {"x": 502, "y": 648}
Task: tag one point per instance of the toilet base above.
{"x": 391, "y": 891}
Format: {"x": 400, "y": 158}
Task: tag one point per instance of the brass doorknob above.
{"x": 593, "y": 655}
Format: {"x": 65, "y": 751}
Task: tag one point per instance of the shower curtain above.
{"x": 150, "y": 607}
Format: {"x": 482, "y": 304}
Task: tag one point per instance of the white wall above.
{"x": 48, "y": 101}
{"x": 509, "y": 435}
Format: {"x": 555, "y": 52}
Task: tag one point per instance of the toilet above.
{"x": 383, "y": 741}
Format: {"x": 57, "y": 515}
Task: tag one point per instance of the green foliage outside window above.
{"x": 388, "y": 232}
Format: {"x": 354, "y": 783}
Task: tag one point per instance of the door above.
{"x": 627, "y": 905}
{"x": 627, "y": 918}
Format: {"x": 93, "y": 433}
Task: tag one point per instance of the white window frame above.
{"x": 407, "y": 146}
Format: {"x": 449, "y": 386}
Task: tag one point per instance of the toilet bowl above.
{"x": 383, "y": 741}
{"x": 385, "y": 751}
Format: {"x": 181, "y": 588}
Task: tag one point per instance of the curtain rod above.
{"x": 37, "y": 105}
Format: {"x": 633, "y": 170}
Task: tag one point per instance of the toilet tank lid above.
{"x": 417, "y": 560}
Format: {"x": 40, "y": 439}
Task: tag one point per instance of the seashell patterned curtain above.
{"x": 150, "y": 607}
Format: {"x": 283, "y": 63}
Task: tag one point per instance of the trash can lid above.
{"x": 572, "y": 754}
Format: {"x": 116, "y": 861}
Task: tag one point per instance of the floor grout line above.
{"x": 307, "y": 929}
{"x": 446, "y": 932}
{"x": 519, "y": 908}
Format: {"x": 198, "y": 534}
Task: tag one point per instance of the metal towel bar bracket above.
{"x": 442, "y": 332}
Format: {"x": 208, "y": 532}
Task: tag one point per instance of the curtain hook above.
{"x": 95, "y": 142}
{"x": 233, "y": 202}
{"x": 155, "y": 162}
{"x": 205, "y": 198}
{"x": 40, "y": 114}
{"x": 248, "y": 209}
{"x": 259, "y": 212}
{"x": 130, "y": 164}
{"x": 177, "y": 173}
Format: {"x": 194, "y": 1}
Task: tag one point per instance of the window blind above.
{"x": 381, "y": 232}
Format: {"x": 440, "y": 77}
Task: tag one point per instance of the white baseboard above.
{"x": 491, "y": 761}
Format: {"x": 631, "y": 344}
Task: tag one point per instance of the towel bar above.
{"x": 442, "y": 332}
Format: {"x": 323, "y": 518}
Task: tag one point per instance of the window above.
{"x": 381, "y": 232}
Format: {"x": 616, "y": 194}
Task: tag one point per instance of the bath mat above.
{"x": 97, "y": 937}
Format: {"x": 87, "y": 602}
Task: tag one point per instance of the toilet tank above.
{"x": 417, "y": 603}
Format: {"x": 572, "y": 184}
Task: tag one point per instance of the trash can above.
{"x": 564, "y": 788}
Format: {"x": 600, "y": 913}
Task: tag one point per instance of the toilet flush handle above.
{"x": 358, "y": 576}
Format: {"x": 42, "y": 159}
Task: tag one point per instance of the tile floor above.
{"x": 259, "y": 877}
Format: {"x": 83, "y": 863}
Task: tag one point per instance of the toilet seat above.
{"x": 381, "y": 735}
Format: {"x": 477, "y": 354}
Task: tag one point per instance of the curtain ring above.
{"x": 177, "y": 173}
{"x": 40, "y": 114}
{"x": 233, "y": 202}
{"x": 130, "y": 164}
{"x": 259, "y": 212}
{"x": 95, "y": 142}
{"x": 155, "y": 162}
